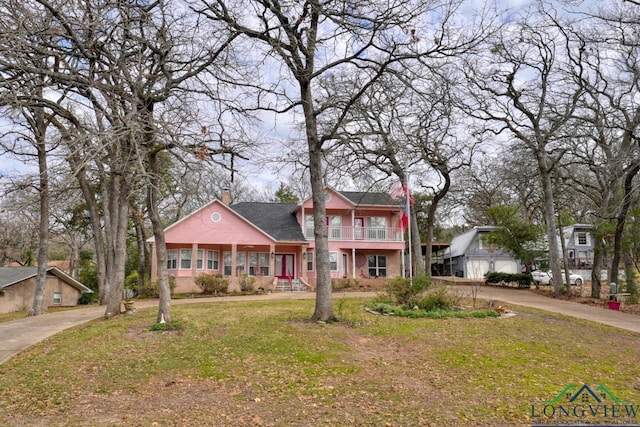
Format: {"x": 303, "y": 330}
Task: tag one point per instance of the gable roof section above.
{"x": 370, "y": 199}
{"x": 569, "y": 229}
{"x": 362, "y": 198}
{"x": 461, "y": 242}
{"x": 278, "y": 220}
{"x": 221, "y": 205}
{"x": 11, "y": 275}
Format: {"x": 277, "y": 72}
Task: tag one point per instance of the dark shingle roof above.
{"x": 12, "y": 275}
{"x": 377, "y": 199}
{"x": 278, "y": 220}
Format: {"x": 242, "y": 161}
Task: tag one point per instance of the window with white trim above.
{"x": 308, "y": 226}
{"x": 57, "y": 298}
{"x": 172, "y": 260}
{"x": 482, "y": 244}
{"x": 334, "y": 226}
{"x": 213, "y": 260}
{"x": 582, "y": 238}
{"x": 333, "y": 261}
{"x": 376, "y": 228}
{"x": 258, "y": 264}
{"x": 185, "y": 259}
{"x": 310, "y": 259}
{"x": 241, "y": 260}
{"x": 377, "y": 265}
{"x": 200, "y": 262}
{"x": 226, "y": 263}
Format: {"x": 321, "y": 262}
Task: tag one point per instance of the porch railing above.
{"x": 371, "y": 234}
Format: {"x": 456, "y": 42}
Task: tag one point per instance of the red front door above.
{"x": 285, "y": 266}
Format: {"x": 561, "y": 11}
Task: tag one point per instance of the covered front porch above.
{"x": 269, "y": 264}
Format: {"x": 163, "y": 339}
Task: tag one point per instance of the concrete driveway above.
{"x": 18, "y": 335}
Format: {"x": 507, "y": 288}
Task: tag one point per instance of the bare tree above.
{"x": 526, "y": 88}
{"x": 608, "y": 148}
{"x": 20, "y": 92}
{"x": 311, "y": 41}
{"x": 120, "y": 68}
{"x": 408, "y": 126}
{"x": 19, "y": 219}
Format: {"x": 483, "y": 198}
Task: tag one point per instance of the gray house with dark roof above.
{"x": 580, "y": 244}
{"x": 18, "y": 284}
{"x": 471, "y": 257}
{"x": 275, "y": 243}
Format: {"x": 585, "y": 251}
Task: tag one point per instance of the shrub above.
{"x": 247, "y": 284}
{"x": 341, "y": 284}
{"x": 212, "y": 284}
{"x": 435, "y": 300}
{"x": 502, "y": 279}
{"x": 404, "y": 290}
{"x": 151, "y": 289}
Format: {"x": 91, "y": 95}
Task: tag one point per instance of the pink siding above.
{"x": 234, "y": 234}
{"x": 199, "y": 228}
{"x": 337, "y": 201}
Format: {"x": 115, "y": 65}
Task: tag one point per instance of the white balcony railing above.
{"x": 370, "y": 234}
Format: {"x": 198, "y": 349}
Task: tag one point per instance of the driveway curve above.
{"x": 20, "y": 334}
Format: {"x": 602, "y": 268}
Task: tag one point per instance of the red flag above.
{"x": 397, "y": 190}
{"x": 401, "y": 190}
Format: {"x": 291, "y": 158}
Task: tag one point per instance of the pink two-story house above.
{"x": 275, "y": 243}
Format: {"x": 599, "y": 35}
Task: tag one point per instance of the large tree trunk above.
{"x": 118, "y": 214}
{"x": 164, "y": 307}
{"x": 40, "y": 129}
{"x": 596, "y": 270}
{"x": 549, "y": 214}
{"x": 96, "y": 229}
{"x": 431, "y": 217}
{"x": 324, "y": 307}
{"x": 416, "y": 244}
{"x": 621, "y": 219}
{"x": 565, "y": 258}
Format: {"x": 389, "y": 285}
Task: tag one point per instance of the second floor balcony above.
{"x": 372, "y": 234}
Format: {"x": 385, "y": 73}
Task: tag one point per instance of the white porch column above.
{"x": 194, "y": 259}
{"x": 272, "y": 260}
{"x": 234, "y": 255}
{"x": 353, "y": 226}
{"x": 353, "y": 262}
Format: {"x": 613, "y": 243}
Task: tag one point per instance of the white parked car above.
{"x": 541, "y": 277}
{"x": 546, "y": 278}
{"x": 574, "y": 279}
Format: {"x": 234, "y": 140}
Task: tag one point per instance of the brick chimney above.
{"x": 226, "y": 196}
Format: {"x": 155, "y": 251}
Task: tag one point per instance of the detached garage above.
{"x": 18, "y": 285}
{"x": 470, "y": 256}
{"x": 476, "y": 269}
{"x": 506, "y": 266}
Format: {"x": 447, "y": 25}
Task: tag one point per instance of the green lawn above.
{"x": 263, "y": 363}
